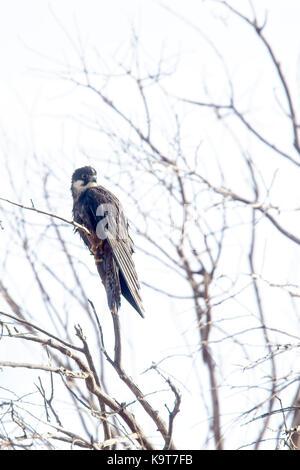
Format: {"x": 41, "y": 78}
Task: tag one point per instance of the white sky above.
{"x": 38, "y": 38}
{"x": 32, "y": 32}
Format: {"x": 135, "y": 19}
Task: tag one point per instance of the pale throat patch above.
{"x": 79, "y": 186}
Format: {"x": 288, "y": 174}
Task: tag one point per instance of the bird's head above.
{"x": 82, "y": 179}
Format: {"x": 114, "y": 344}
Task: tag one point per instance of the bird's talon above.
{"x": 95, "y": 248}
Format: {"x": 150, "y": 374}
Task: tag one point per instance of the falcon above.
{"x": 98, "y": 210}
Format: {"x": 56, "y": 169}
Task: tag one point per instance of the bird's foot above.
{"x": 94, "y": 249}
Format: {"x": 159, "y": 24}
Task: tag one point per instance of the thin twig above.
{"x": 39, "y": 211}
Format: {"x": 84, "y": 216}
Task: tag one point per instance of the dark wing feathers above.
{"x": 127, "y": 270}
{"x": 119, "y": 241}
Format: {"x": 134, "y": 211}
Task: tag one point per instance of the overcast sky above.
{"x": 40, "y": 39}
{"x": 40, "y": 36}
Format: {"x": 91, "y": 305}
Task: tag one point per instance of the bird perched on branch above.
{"x": 101, "y": 213}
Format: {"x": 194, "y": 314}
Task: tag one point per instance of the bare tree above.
{"x": 209, "y": 217}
